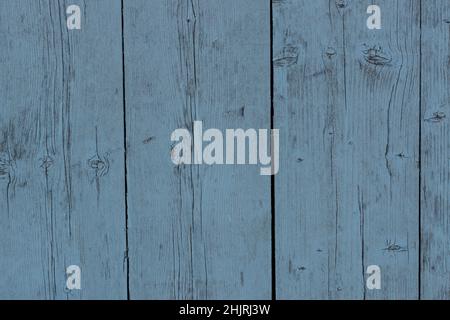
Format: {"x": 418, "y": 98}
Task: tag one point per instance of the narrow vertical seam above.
{"x": 272, "y": 177}
{"x": 127, "y": 260}
{"x": 420, "y": 154}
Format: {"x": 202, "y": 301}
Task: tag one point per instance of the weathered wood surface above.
{"x": 435, "y": 204}
{"x": 347, "y": 196}
{"x": 86, "y": 177}
{"x": 196, "y": 232}
{"x": 61, "y": 151}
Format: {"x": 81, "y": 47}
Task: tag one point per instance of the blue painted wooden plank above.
{"x": 196, "y": 232}
{"x": 347, "y": 100}
{"x": 388, "y": 141}
{"x": 61, "y": 150}
{"x": 435, "y": 203}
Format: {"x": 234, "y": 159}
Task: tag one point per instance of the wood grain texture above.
{"x": 196, "y": 232}
{"x": 364, "y": 173}
{"x": 61, "y": 150}
{"x": 347, "y": 99}
{"x": 435, "y": 204}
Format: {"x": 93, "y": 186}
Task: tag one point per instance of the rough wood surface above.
{"x": 196, "y": 232}
{"x": 435, "y": 204}
{"x": 347, "y": 100}
{"x": 86, "y": 176}
{"x": 61, "y": 151}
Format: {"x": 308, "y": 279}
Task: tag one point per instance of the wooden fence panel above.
{"x": 61, "y": 151}
{"x": 435, "y": 171}
{"x": 347, "y": 101}
{"x": 196, "y": 231}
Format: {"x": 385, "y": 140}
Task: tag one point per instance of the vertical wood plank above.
{"x": 347, "y": 194}
{"x": 61, "y": 150}
{"x": 196, "y": 232}
{"x": 309, "y": 106}
{"x": 435, "y": 204}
